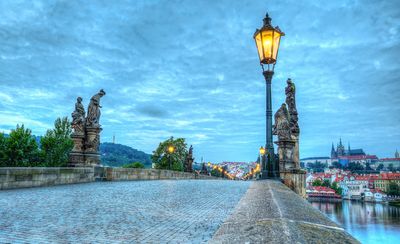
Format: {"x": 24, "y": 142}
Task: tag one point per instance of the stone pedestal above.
{"x": 77, "y": 156}
{"x": 92, "y": 154}
{"x": 295, "y": 179}
{"x": 296, "y": 156}
{"x": 285, "y": 152}
{"x": 189, "y": 165}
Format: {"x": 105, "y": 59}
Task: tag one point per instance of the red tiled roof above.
{"x": 389, "y": 159}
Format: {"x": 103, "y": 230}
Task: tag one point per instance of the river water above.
{"x": 368, "y": 222}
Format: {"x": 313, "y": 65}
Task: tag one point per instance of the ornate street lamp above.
{"x": 267, "y": 41}
{"x": 170, "y": 150}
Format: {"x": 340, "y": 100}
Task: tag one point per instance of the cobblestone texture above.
{"x": 118, "y": 212}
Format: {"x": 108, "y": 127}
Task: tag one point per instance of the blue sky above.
{"x": 190, "y": 69}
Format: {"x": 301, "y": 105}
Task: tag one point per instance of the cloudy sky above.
{"x": 189, "y": 68}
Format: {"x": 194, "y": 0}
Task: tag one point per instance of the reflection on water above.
{"x": 368, "y": 222}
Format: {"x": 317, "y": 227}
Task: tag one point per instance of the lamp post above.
{"x": 171, "y": 150}
{"x": 267, "y": 41}
{"x": 263, "y": 162}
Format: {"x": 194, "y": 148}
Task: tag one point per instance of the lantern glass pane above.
{"x": 267, "y": 43}
{"x": 277, "y": 38}
{"x": 259, "y": 46}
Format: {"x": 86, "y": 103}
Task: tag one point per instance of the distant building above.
{"x": 389, "y": 161}
{"x": 397, "y": 154}
{"x": 382, "y": 182}
{"x": 324, "y": 160}
{"x": 341, "y": 151}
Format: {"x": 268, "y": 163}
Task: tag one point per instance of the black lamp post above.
{"x": 171, "y": 150}
{"x": 267, "y": 41}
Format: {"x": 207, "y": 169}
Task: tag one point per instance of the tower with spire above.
{"x": 333, "y": 152}
{"x": 340, "y": 149}
{"x": 397, "y": 155}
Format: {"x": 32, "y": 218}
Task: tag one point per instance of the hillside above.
{"x": 116, "y": 155}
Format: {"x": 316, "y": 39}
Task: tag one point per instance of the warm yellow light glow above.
{"x": 171, "y": 149}
{"x": 209, "y": 164}
{"x": 262, "y": 150}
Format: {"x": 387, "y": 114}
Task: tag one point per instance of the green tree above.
{"x": 337, "y": 165}
{"x": 166, "y": 160}
{"x": 137, "y": 165}
{"x": 21, "y": 149}
{"x": 390, "y": 167}
{"x": 57, "y": 144}
{"x": 380, "y": 167}
{"x": 393, "y": 189}
{"x": 326, "y": 183}
{"x": 317, "y": 183}
{"x": 3, "y": 158}
{"x": 336, "y": 187}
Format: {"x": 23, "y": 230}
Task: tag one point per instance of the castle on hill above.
{"x": 341, "y": 151}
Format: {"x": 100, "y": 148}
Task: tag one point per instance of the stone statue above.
{"x": 78, "y": 117}
{"x": 93, "y": 115}
{"x": 290, "y": 92}
{"x": 282, "y": 124}
{"x": 187, "y": 167}
{"x": 191, "y": 151}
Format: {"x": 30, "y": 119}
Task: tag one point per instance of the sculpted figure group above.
{"x": 287, "y": 129}
{"x": 86, "y": 131}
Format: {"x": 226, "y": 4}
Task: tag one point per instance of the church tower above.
{"x": 333, "y": 152}
{"x": 397, "y": 155}
{"x": 340, "y": 149}
{"x": 348, "y": 153}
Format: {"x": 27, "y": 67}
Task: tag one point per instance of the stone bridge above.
{"x": 164, "y": 211}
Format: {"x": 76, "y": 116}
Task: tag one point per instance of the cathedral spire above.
{"x": 397, "y": 155}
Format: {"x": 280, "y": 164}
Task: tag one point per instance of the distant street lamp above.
{"x": 267, "y": 41}
{"x": 171, "y": 150}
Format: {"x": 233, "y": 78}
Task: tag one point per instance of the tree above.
{"x": 326, "y": 183}
{"x": 3, "y": 157}
{"x": 57, "y": 144}
{"x": 336, "y": 187}
{"x": 380, "y": 167}
{"x": 368, "y": 166}
{"x": 137, "y": 165}
{"x": 317, "y": 183}
{"x": 165, "y": 160}
{"x": 337, "y": 165}
{"x": 390, "y": 167}
{"x": 21, "y": 149}
{"x": 393, "y": 189}
{"x": 354, "y": 166}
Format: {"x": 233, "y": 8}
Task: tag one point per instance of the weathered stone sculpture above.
{"x": 282, "y": 124}
{"x": 189, "y": 161}
{"x": 77, "y": 156}
{"x": 93, "y": 116}
{"x": 86, "y": 134}
{"x": 287, "y": 129}
{"x": 290, "y": 92}
{"x": 78, "y": 118}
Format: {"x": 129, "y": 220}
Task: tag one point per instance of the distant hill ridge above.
{"x": 116, "y": 155}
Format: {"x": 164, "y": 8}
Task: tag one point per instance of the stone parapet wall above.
{"x": 11, "y": 178}
{"x": 117, "y": 174}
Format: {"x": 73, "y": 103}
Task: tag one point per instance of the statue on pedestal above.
{"x": 86, "y": 136}
{"x": 78, "y": 118}
{"x": 189, "y": 160}
{"x": 290, "y": 92}
{"x": 93, "y": 116}
{"x": 282, "y": 124}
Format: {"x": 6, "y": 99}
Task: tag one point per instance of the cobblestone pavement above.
{"x": 169, "y": 211}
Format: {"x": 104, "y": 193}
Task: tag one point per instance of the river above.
{"x": 368, "y": 222}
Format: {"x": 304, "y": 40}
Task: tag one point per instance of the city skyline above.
{"x": 190, "y": 69}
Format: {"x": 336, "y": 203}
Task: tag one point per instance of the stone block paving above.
{"x": 167, "y": 211}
